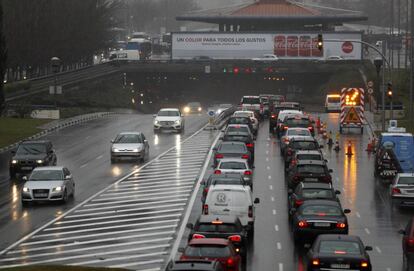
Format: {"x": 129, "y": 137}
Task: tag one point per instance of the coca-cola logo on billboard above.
{"x": 347, "y": 47}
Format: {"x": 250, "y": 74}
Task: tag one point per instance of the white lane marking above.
{"x": 267, "y": 159}
{"x": 191, "y": 202}
{"x": 166, "y": 169}
{"x": 84, "y": 165}
{"x": 135, "y": 191}
{"x": 267, "y": 152}
{"x": 378, "y": 249}
{"x": 117, "y": 216}
{"x": 268, "y": 139}
{"x": 172, "y": 173}
{"x": 268, "y": 168}
{"x": 139, "y": 263}
{"x": 337, "y": 179}
{"x": 269, "y": 177}
{"x": 276, "y": 227}
{"x": 274, "y": 212}
{"x": 388, "y": 269}
{"x": 87, "y": 137}
{"x": 99, "y": 157}
{"x": 367, "y": 231}
{"x": 280, "y": 266}
{"x": 89, "y": 248}
{"x": 138, "y": 194}
{"x": 89, "y": 255}
{"x": 273, "y": 199}
{"x": 267, "y": 144}
{"x": 358, "y": 214}
{"x": 126, "y": 205}
{"x": 158, "y": 180}
{"x": 81, "y": 243}
{"x": 137, "y": 200}
{"x": 77, "y": 237}
{"x": 141, "y": 187}
{"x": 279, "y": 246}
{"x": 159, "y": 260}
{"x": 271, "y": 187}
{"x": 350, "y": 201}
{"x": 58, "y": 228}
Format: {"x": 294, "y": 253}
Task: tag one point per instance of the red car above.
{"x": 408, "y": 245}
{"x": 218, "y": 249}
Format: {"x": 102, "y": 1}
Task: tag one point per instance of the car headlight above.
{"x": 40, "y": 161}
{"x": 115, "y": 150}
{"x": 14, "y": 162}
{"x": 156, "y": 122}
{"x": 199, "y": 109}
{"x": 177, "y": 121}
{"x": 219, "y": 111}
{"x": 186, "y": 109}
{"x": 25, "y": 189}
{"x": 57, "y": 189}
{"x": 136, "y": 150}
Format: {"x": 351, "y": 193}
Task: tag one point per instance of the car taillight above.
{"x": 250, "y": 213}
{"x": 261, "y": 106}
{"x": 289, "y": 152}
{"x": 285, "y": 127}
{"x": 310, "y": 128}
{"x": 298, "y": 202}
{"x": 249, "y": 145}
{"x": 341, "y": 225}
{"x": 217, "y": 171}
{"x": 286, "y": 140}
{"x": 293, "y": 162}
{"x": 206, "y": 190}
{"x": 273, "y": 116}
{"x": 410, "y": 242}
{"x": 235, "y": 238}
{"x": 205, "y": 209}
{"x": 198, "y": 236}
{"x": 219, "y": 156}
{"x": 396, "y": 191}
{"x": 327, "y": 179}
{"x": 296, "y": 177}
{"x": 248, "y": 172}
{"x": 315, "y": 262}
{"x": 302, "y": 224}
{"x": 230, "y": 262}
{"x": 245, "y": 156}
{"x": 364, "y": 264}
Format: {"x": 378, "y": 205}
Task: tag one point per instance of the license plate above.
{"x": 41, "y": 195}
{"x": 27, "y": 168}
{"x": 339, "y": 265}
{"x": 310, "y": 179}
{"x": 322, "y": 224}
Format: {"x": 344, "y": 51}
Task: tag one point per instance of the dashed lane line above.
{"x": 367, "y": 231}
{"x": 279, "y": 246}
{"x": 274, "y": 212}
{"x": 84, "y": 165}
{"x": 358, "y": 214}
{"x": 280, "y": 266}
{"x": 378, "y": 249}
{"x": 99, "y": 157}
{"x": 139, "y": 263}
{"x": 276, "y": 227}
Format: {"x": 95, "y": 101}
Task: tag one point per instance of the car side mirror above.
{"x": 190, "y": 226}
{"x": 290, "y": 191}
{"x": 51, "y": 151}
{"x": 203, "y": 183}
{"x": 181, "y": 249}
{"x": 24, "y": 178}
{"x": 253, "y": 166}
{"x": 326, "y": 160}
{"x": 347, "y": 211}
{"x": 292, "y": 211}
{"x": 368, "y": 248}
{"x": 68, "y": 177}
{"x": 256, "y": 201}
{"x": 13, "y": 152}
{"x": 330, "y": 170}
{"x": 215, "y": 149}
{"x": 154, "y": 116}
{"x": 401, "y": 232}
{"x": 112, "y": 141}
{"x": 320, "y": 146}
{"x": 337, "y": 192}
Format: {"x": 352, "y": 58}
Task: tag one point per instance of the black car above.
{"x": 242, "y": 120}
{"x": 306, "y": 155}
{"x": 308, "y": 171}
{"x": 232, "y": 150}
{"x": 338, "y": 252}
{"x": 274, "y": 112}
{"x": 224, "y": 178}
{"x": 194, "y": 265}
{"x": 226, "y": 227}
{"x": 297, "y": 143}
{"x": 408, "y": 245}
{"x": 31, "y": 154}
{"x": 297, "y": 121}
{"x": 316, "y": 217}
{"x": 311, "y": 191}
{"x": 246, "y": 138}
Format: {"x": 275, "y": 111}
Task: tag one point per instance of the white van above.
{"x": 232, "y": 200}
{"x": 333, "y": 103}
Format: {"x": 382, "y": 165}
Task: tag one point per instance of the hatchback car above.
{"x": 309, "y": 172}
{"x": 194, "y": 265}
{"x": 281, "y": 117}
{"x": 31, "y": 154}
{"x": 291, "y": 133}
{"x": 402, "y": 190}
{"x": 316, "y": 217}
{"x": 274, "y": 112}
{"x": 251, "y": 115}
{"x": 242, "y": 120}
{"x": 311, "y": 191}
{"x": 300, "y": 143}
{"x": 244, "y": 137}
{"x": 338, "y": 252}
{"x": 297, "y": 121}
{"x": 238, "y": 166}
{"x": 223, "y": 178}
{"x": 129, "y": 145}
{"x": 218, "y": 249}
{"x": 226, "y": 227}
{"x": 238, "y": 128}
{"x": 315, "y": 155}
{"x": 48, "y": 184}
{"x": 169, "y": 119}
{"x": 408, "y": 245}
{"x": 232, "y": 150}
{"x": 193, "y": 107}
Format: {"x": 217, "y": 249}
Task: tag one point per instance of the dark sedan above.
{"x": 305, "y": 143}
{"x": 338, "y": 252}
{"x": 316, "y": 217}
{"x": 309, "y": 171}
{"x": 242, "y": 120}
{"x": 232, "y": 150}
{"x": 246, "y": 138}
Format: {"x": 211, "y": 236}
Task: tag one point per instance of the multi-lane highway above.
{"x": 134, "y": 222}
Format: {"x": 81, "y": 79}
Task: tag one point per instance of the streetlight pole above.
{"x": 55, "y": 63}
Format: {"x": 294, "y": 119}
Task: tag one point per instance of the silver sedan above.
{"x": 48, "y": 184}
{"x": 129, "y": 145}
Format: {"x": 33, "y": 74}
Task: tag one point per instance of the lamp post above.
{"x": 55, "y": 63}
{"x": 378, "y": 62}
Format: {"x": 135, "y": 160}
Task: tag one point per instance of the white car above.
{"x": 333, "y": 103}
{"x": 129, "y": 145}
{"x": 291, "y": 133}
{"x": 266, "y": 57}
{"x": 236, "y": 165}
{"x": 402, "y": 189}
{"x": 169, "y": 119}
{"x": 48, "y": 184}
{"x": 232, "y": 200}
{"x": 249, "y": 114}
{"x": 282, "y": 115}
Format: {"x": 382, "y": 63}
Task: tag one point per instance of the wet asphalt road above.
{"x": 84, "y": 149}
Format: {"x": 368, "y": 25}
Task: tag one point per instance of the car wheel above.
{"x": 65, "y": 196}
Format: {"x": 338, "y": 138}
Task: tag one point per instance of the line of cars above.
{"x": 220, "y": 236}
{"x": 315, "y": 212}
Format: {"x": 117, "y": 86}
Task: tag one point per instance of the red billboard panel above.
{"x": 315, "y": 51}
{"x": 292, "y": 46}
{"x": 305, "y": 46}
{"x": 280, "y": 45}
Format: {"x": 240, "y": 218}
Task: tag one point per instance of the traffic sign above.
{"x": 370, "y": 84}
{"x": 211, "y": 113}
{"x": 370, "y": 91}
{"x": 352, "y": 116}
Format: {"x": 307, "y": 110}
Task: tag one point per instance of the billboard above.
{"x": 237, "y": 45}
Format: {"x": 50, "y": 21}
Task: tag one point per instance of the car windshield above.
{"x": 314, "y": 193}
{"x": 208, "y": 251}
{"x": 251, "y": 100}
{"x": 297, "y": 132}
{"x": 232, "y": 165}
{"x": 235, "y": 148}
{"x": 409, "y": 180}
{"x": 297, "y": 122}
{"x": 321, "y": 210}
{"x": 231, "y": 137}
{"x": 240, "y": 120}
{"x": 227, "y": 181}
{"x": 168, "y": 113}
{"x": 309, "y": 157}
{"x": 233, "y": 129}
{"x": 128, "y": 138}
{"x": 217, "y": 228}
{"x": 46, "y": 175}
{"x": 243, "y": 114}
{"x": 315, "y": 169}
{"x": 25, "y": 149}
{"x": 195, "y": 104}
{"x": 334, "y": 99}
{"x": 335, "y": 247}
{"x": 304, "y": 145}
